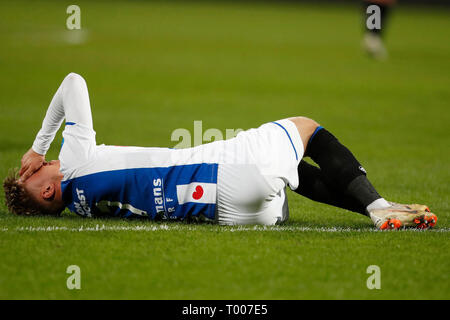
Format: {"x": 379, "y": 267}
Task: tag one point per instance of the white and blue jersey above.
{"x": 158, "y": 183}
{"x": 238, "y": 181}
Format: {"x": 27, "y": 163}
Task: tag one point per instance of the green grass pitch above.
{"x": 152, "y": 67}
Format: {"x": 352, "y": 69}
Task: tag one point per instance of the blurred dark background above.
{"x": 399, "y": 2}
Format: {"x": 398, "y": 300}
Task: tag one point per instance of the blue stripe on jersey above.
{"x": 296, "y": 156}
{"x": 148, "y": 192}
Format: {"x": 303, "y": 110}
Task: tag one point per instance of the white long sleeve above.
{"x": 71, "y": 101}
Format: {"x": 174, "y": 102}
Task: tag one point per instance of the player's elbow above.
{"x": 74, "y": 82}
{"x": 74, "y": 78}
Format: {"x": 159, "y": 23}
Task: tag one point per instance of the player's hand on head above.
{"x": 31, "y": 162}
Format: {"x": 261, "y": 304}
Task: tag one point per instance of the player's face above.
{"x": 45, "y": 183}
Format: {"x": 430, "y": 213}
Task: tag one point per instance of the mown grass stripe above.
{"x": 164, "y": 227}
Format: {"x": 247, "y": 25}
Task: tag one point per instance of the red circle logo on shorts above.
{"x": 198, "y": 193}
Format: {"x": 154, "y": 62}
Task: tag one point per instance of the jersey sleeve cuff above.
{"x": 38, "y": 149}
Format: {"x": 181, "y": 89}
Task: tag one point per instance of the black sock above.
{"x": 314, "y": 185}
{"x": 339, "y": 165}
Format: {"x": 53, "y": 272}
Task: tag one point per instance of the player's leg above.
{"x": 341, "y": 181}
{"x": 315, "y": 185}
{"x": 339, "y": 170}
{"x": 245, "y": 197}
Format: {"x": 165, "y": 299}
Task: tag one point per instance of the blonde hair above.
{"x": 19, "y": 201}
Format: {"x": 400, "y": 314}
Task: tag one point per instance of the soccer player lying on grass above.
{"x": 236, "y": 181}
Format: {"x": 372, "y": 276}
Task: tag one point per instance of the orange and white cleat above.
{"x": 418, "y": 207}
{"x": 403, "y": 216}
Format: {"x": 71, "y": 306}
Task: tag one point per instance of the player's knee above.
{"x": 305, "y": 127}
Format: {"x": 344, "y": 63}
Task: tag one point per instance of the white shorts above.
{"x": 254, "y": 171}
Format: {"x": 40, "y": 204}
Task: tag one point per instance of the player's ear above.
{"x": 48, "y": 191}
